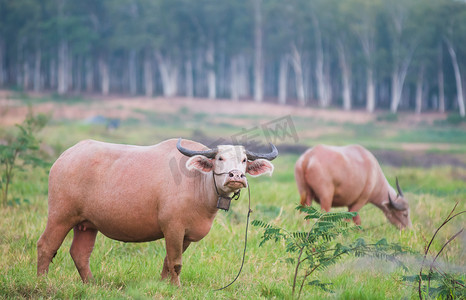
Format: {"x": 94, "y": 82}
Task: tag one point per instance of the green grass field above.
{"x": 133, "y": 270}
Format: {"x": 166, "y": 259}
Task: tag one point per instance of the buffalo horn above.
{"x": 400, "y": 192}
{"x": 396, "y": 205}
{"x": 269, "y": 156}
{"x": 207, "y": 153}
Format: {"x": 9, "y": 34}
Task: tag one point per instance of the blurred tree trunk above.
{"x": 69, "y": 70}
{"x": 62, "y": 72}
{"x": 18, "y": 65}
{"x": 283, "y": 79}
{"x": 345, "y": 75}
{"x": 328, "y": 82}
{"x": 398, "y": 79}
{"x": 211, "y": 77}
{"x": 104, "y": 76}
{"x": 26, "y": 74}
{"x": 322, "y": 96}
{"x": 402, "y": 48}
{"x": 37, "y": 73}
{"x": 221, "y": 74}
{"x": 308, "y": 76}
{"x": 148, "y": 77}
{"x": 298, "y": 71}
{"x": 457, "y": 72}
{"x": 395, "y": 92}
{"x": 168, "y": 73}
{"x": 244, "y": 89}
{"x": 239, "y": 81}
{"x": 364, "y": 26}
{"x": 89, "y": 74}
{"x": 370, "y": 90}
{"x": 188, "y": 66}
{"x": 419, "y": 89}
{"x": 53, "y": 74}
{"x": 198, "y": 71}
{"x": 441, "y": 81}
{"x": 2, "y": 62}
{"x": 234, "y": 78}
{"x": 78, "y": 74}
{"x": 132, "y": 72}
{"x": 258, "y": 53}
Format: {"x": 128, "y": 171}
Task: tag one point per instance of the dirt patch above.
{"x": 397, "y": 158}
{"x": 13, "y": 112}
{"x": 418, "y": 159}
{"x": 219, "y": 111}
{"x": 417, "y": 147}
{"x": 123, "y": 107}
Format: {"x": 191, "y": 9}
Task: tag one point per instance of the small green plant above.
{"x": 19, "y": 150}
{"x": 436, "y": 283}
{"x": 184, "y": 110}
{"x": 455, "y": 119}
{"x": 387, "y": 117}
{"x": 322, "y": 245}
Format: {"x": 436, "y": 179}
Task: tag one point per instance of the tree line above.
{"x": 363, "y": 54}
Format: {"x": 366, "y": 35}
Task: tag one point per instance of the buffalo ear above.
{"x": 259, "y": 167}
{"x": 200, "y": 163}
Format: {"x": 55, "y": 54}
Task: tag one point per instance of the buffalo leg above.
{"x": 304, "y": 190}
{"x": 322, "y": 189}
{"x": 81, "y": 249}
{"x": 356, "y": 208}
{"x": 325, "y": 197}
{"x": 48, "y": 244}
{"x": 173, "y": 261}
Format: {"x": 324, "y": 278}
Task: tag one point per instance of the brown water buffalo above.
{"x": 140, "y": 194}
{"x": 348, "y": 176}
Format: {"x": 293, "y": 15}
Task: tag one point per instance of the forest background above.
{"x": 350, "y": 54}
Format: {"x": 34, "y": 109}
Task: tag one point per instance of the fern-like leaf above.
{"x": 322, "y": 286}
{"x": 310, "y": 211}
{"x": 259, "y": 223}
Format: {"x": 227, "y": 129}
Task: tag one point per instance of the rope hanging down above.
{"x": 245, "y": 242}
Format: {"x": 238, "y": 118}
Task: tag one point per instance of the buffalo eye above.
{"x": 244, "y": 160}
{"x": 220, "y": 158}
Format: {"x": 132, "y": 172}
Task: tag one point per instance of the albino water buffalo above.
{"x": 348, "y": 176}
{"x": 140, "y": 194}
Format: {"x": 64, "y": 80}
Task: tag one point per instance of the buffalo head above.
{"x": 397, "y": 209}
{"x": 229, "y": 164}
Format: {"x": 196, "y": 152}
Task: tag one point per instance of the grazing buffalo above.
{"x": 140, "y": 194}
{"x": 348, "y": 176}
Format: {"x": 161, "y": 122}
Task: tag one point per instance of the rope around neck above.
{"x": 245, "y": 242}
{"x": 235, "y": 195}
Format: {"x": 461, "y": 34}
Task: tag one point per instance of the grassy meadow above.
{"x": 132, "y": 270}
